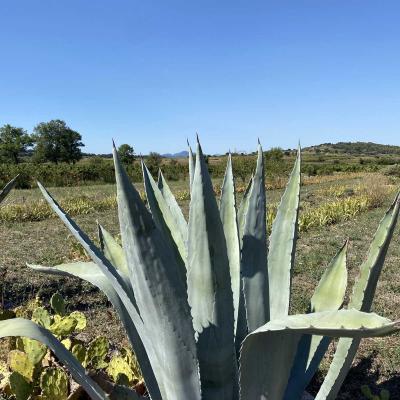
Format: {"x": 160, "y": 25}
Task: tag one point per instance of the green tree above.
{"x": 274, "y": 161}
{"x": 13, "y": 143}
{"x": 56, "y": 142}
{"x": 153, "y": 162}
{"x": 126, "y": 153}
{"x": 274, "y": 154}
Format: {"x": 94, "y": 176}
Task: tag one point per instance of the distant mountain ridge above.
{"x": 181, "y": 154}
{"x": 361, "y": 148}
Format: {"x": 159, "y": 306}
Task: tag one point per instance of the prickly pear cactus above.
{"x": 67, "y": 343}
{"x": 57, "y": 304}
{"x": 81, "y": 320}
{"x": 19, "y": 386}
{"x": 18, "y": 361}
{"x": 79, "y": 351}
{"x": 54, "y": 384}
{"x": 32, "y": 371}
{"x": 34, "y": 350}
{"x": 63, "y": 326}
{"x": 128, "y": 355}
{"x": 97, "y": 353}
{"x": 26, "y": 311}
{"x": 120, "y": 371}
{"x": 42, "y": 317}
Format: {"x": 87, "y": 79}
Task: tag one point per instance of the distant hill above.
{"x": 181, "y": 154}
{"x": 354, "y": 148}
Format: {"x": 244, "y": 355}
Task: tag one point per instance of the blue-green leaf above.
{"x": 254, "y": 251}
{"x": 328, "y": 296}
{"x": 227, "y": 211}
{"x": 115, "y": 254}
{"x": 112, "y": 250}
{"x": 242, "y": 211}
{"x": 7, "y": 188}
{"x": 165, "y": 220}
{"x": 159, "y": 291}
{"x": 191, "y": 166}
{"x": 173, "y": 205}
{"x": 209, "y": 288}
{"x": 268, "y": 353}
{"x": 282, "y": 246}
{"x": 143, "y": 349}
{"x": 362, "y": 297}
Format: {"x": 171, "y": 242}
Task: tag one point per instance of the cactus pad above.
{"x": 19, "y": 362}
{"x": 120, "y": 371}
{"x": 64, "y": 326}
{"x": 42, "y": 317}
{"x": 20, "y": 388}
{"x": 34, "y": 350}
{"x": 54, "y": 384}
{"x": 79, "y": 351}
{"x": 57, "y": 304}
{"x": 97, "y": 353}
{"x": 67, "y": 343}
{"x": 81, "y": 320}
{"x": 130, "y": 358}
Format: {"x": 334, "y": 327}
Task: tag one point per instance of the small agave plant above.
{"x": 205, "y": 304}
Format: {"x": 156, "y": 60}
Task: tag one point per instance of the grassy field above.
{"x": 46, "y": 241}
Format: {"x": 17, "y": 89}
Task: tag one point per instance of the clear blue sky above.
{"x": 151, "y": 73}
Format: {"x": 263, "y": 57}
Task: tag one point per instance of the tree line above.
{"x": 53, "y": 141}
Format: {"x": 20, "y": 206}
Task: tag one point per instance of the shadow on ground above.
{"x": 365, "y": 372}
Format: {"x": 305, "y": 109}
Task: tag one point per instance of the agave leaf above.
{"x": 264, "y": 371}
{"x": 363, "y": 294}
{"x": 172, "y": 205}
{"x": 254, "y": 251}
{"x": 241, "y": 330}
{"x": 113, "y": 277}
{"x": 90, "y": 272}
{"x": 97, "y": 256}
{"x": 227, "y": 211}
{"x": 7, "y": 188}
{"x": 242, "y": 211}
{"x": 328, "y": 296}
{"x": 191, "y": 166}
{"x": 165, "y": 221}
{"x": 115, "y": 254}
{"x": 209, "y": 288}
{"x": 331, "y": 289}
{"x": 365, "y": 285}
{"x": 26, "y": 328}
{"x": 159, "y": 291}
{"x": 282, "y": 245}
{"x": 112, "y": 250}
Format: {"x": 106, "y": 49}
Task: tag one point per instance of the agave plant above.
{"x": 205, "y": 304}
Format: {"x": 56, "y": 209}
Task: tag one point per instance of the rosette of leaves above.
{"x": 205, "y": 303}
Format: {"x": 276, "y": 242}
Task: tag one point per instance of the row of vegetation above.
{"x": 97, "y": 170}
{"x": 356, "y": 148}
{"x": 52, "y": 154}
{"x": 342, "y": 204}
